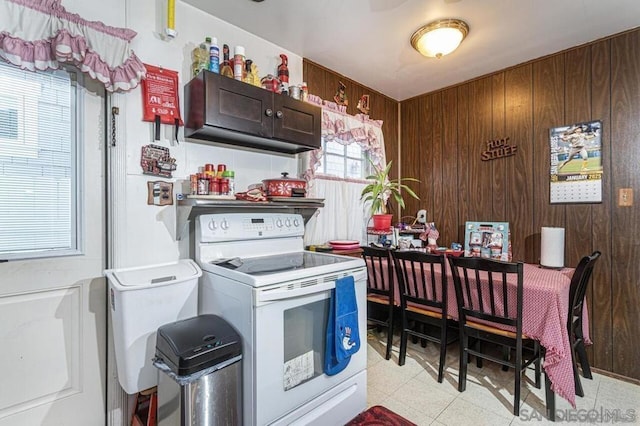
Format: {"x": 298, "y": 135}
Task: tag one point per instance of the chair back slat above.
{"x": 488, "y": 290}
{"x": 421, "y": 278}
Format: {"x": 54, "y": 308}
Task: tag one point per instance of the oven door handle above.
{"x": 271, "y": 295}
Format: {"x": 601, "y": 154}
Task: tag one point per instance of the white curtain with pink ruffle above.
{"x": 41, "y": 34}
{"x": 343, "y": 217}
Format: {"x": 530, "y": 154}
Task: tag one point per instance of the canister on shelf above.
{"x": 294, "y": 92}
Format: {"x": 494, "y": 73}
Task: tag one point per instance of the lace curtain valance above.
{"x": 340, "y": 127}
{"x": 41, "y": 34}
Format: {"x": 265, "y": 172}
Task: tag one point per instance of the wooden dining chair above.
{"x": 489, "y": 297}
{"x": 422, "y": 280}
{"x": 577, "y": 291}
{"x": 380, "y": 293}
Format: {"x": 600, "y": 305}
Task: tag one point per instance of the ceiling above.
{"x": 368, "y": 40}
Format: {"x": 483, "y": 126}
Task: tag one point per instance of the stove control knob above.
{"x": 288, "y": 223}
{"x": 296, "y": 223}
{"x": 213, "y": 225}
{"x": 279, "y": 223}
{"x": 224, "y": 225}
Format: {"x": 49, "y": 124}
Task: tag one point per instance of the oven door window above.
{"x": 304, "y": 342}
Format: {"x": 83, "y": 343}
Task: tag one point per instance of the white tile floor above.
{"x": 414, "y": 392}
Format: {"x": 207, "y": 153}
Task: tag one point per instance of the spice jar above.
{"x": 224, "y": 186}
{"x": 230, "y": 176}
{"x": 221, "y": 169}
{"x": 214, "y": 186}
{"x": 203, "y": 184}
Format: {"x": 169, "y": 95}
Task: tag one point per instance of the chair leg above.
{"x": 506, "y": 354}
{"x": 464, "y": 359}
{"x": 403, "y": 340}
{"x": 516, "y": 391}
{"x": 576, "y": 379}
{"x": 389, "y": 334}
{"x": 478, "y": 345}
{"x": 443, "y": 352}
{"x": 537, "y": 353}
{"x": 584, "y": 362}
{"x": 550, "y": 399}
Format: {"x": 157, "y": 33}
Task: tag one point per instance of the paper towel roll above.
{"x": 552, "y": 247}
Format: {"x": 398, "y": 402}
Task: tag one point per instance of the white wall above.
{"x": 145, "y": 236}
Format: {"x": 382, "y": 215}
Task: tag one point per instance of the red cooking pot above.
{"x": 285, "y": 186}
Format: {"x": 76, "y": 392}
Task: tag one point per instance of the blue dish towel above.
{"x": 343, "y": 335}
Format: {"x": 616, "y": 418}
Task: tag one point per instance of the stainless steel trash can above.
{"x": 200, "y": 377}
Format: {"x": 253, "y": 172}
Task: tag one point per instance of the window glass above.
{"x": 38, "y": 163}
{"x": 344, "y": 161}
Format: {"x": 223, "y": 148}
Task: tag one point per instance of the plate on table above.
{"x": 345, "y": 247}
{"x": 344, "y": 244}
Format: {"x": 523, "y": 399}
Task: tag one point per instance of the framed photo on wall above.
{"x": 576, "y": 163}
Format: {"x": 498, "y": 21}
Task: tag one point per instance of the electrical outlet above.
{"x": 625, "y": 197}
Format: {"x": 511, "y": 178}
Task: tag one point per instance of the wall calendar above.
{"x": 576, "y": 163}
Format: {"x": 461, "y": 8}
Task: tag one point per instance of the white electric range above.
{"x": 257, "y": 275}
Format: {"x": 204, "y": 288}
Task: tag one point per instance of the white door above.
{"x": 53, "y": 310}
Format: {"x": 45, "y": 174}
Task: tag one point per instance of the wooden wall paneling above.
{"x": 548, "y": 112}
{"x": 352, "y": 90}
{"x": 599, "y": 293}
{"x": 625, "y": 173}
{"x": 577, "y": 109}
{"x": 481, "y": 185}
{"x": 434, "y": 160}
{"x": 464, "y": 160}
{"x": 425, "y": 169}
{"x": 410, "y": 143}
{"x": 390, "y": 134}
{"x": 526, "y": 101}
{"x": 500, "y": 180}
{"x": 314, "y": 77}
{"x": 520, "y": 202}
{"x": 449, "y": 226}
{"x": 389, "y": 116}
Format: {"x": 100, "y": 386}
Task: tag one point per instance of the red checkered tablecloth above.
{"x": 544, "y": 317}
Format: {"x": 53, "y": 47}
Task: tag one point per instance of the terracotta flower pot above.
{"x": 382, "y": 222}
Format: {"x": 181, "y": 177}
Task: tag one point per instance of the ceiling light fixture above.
{"x": 440, "y": 37}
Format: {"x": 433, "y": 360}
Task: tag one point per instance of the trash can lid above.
{"x": 197, "y": 343}
{"x": 154, "y": 275}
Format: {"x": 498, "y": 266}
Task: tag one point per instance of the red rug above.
{"x": 379, "y": 416}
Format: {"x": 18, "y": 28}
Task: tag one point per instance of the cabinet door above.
{"x": 234, "y": 105}
{"x": 296, "y": 121}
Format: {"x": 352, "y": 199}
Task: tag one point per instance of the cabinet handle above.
{"x": 268, "y": 112}
{"x": 279, "y": 114}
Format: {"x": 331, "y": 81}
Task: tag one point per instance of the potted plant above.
{"x": 380, "y": 190}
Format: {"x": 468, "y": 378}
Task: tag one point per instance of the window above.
{"x": 39, "y": 173}
{"x": 344, "y": 161}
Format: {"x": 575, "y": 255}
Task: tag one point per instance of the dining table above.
{"x": 544, "y": 317}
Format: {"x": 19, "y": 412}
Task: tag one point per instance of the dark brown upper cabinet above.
{"x": 221, "y": 109}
